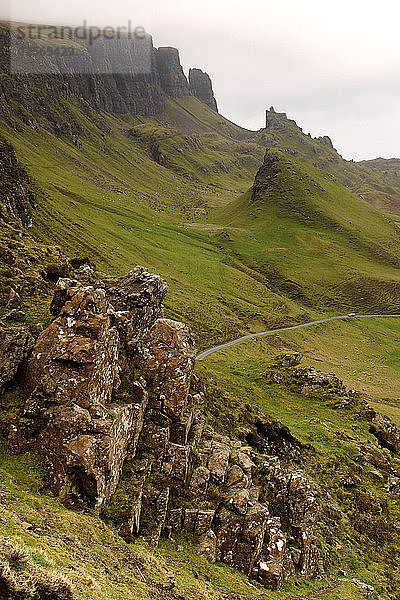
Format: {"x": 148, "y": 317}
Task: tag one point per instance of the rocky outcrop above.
{"x": 271, "y": 436}
{"x": 69, "y": 417}
{"x": 277, "y": 121}
{"x": 291, "y": 496}
{"x": 201, "y": 87}
{"x": 307, "y": 381}
{"x": 185, "y": 476}
{"x": 16, "y": 195}
{"x": 266, "y": 178}
{"x": 172, "y": 78}
{"x": 112, "y": 412}
{"x": 207, "y": 484}
{"x": 386, "y": 432}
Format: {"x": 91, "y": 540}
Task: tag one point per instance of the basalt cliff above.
{"x": 124, "y": 76}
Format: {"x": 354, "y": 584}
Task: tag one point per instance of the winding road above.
{"x": 251, "y": 336}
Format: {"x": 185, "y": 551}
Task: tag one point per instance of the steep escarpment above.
{"x": 17, "y": 197}
{"x": 120, "y": 76}
{"x": 172, "y": 78}
{"x": 201, "y": 87}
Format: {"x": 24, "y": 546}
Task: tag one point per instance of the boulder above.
{"x": 218, "y": 463}
{"x": 292, "y": 497}
{"x": 270, "y": 571}
{"x": 253, "y": 533}
{"x": 137, "y": 299}
{"x": 176, "y": 462}
{"x": 167, "y": 359}
{"x": 203, "y": 521}
{"x": 153, "y": 514}
{"x": 239, "y": 500}
{"x": 228, "y": 530}
{"x": 84, "y": 467}
{"x": 236, "y": 477}
{"x": 199, "y": 483}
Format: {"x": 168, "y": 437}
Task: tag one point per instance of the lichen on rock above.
{"x": 111, "y": 409}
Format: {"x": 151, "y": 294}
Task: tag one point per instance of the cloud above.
{"x": 334, "y": 67}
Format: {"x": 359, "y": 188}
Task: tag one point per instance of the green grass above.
{"x": 306, "y": 248}
{"x": 97, "y": 562}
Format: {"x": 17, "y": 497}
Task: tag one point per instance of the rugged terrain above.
{"x": 128, "y": 471}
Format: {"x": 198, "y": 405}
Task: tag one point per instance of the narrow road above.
{"x": 251, "y": 336}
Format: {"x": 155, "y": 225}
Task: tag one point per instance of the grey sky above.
{"x": 333, "y": 67}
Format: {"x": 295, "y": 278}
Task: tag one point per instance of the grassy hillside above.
{"x": 308, "y": 248}
{"x": 311, "y": 238}
{"x": 381, "y": 189}
{"x": 173, "y": 194}
{"x": 389, "y": 166}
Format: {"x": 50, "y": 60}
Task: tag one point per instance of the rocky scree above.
{"x": 308, "y": 381}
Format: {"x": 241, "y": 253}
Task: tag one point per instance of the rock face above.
{"x": 16, "y": 195}
{"x": 172, "y": 78}
{"x": 119, "y": 76}
{"x": 277, "y": 121}
{"x": 111, "y": 410}
{"x": 201, "y": 87}
{"x": 16, "y": 344}
{"x": 69, "y": 417}
{"x": 266, "y": 178}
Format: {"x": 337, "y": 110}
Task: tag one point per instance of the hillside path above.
{"x": 251, "y": 336}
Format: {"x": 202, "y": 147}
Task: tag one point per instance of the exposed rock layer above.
{"x": 16, "y": 194}
{"x": 118, "y": 76}
{"x": 15, "y": 345}
{"x": 201, "y": 86}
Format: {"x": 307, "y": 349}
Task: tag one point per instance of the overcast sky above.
{"x": 332, "y": 66}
